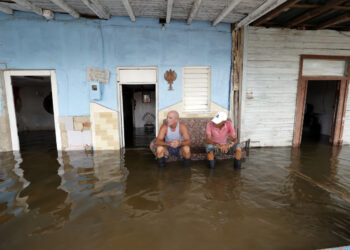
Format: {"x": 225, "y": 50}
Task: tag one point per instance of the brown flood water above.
{"x": 284, "y": 199}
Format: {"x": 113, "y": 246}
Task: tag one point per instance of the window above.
{"x": 196, "y": 89}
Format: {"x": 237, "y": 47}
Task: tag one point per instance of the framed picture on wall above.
{"x": 146, "y": 97}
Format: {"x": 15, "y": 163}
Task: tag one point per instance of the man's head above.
{"x": 219, "y": 119}
{"x": 172, "y": 117}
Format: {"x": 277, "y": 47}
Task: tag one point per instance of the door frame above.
{"x": 11, "y": 105}
{"x": 302, "y": 93}
{"x": 120, "y": 98}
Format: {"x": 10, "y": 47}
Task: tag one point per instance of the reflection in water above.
{"x": 156, "y": 189}
{"x": 223, "y": 186}
{"x": 42, "y": 194}
{"x": 284, "y": 198}
{"x": 11, "y": 183}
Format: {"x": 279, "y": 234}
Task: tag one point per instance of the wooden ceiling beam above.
{"x": 310, "y": 14}
{"x": 64, "y": 6}
{"x": 169, "y": 10}
{"x": 6, "y": 9}
{"x": 266, "y": 7}
{"x": 194, "y": 11}
{"x": 29, "y": 6}
{"x": 96, "y": 7}
{"x": 314, "y": 6}
{"x": 48, "y": 14}
{"x": 102, "y": 10}
{"x": 129, "y": 10}
{"x": 307, "y": 26}
{"x": 340, "y": 19}
{"x": 272, "y": 14}
{"x": 226, "y": 11}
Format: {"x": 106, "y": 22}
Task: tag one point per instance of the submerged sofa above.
{"x": 196, "y": 128}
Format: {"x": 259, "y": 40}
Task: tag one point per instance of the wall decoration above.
{"x": 146, "y": 97}
{"x": 170, "y": 77}
{"x": 97, "y": 75}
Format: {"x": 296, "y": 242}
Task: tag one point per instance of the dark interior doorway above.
{"x": 320, "y": 111}
{"x": 34, "y": 112}
{"x": 139, "y": 108}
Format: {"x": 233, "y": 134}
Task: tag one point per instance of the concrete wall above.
{"x": 270, "y": 79}
{"x": 70, "y": 46}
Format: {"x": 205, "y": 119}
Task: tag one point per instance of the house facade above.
{"x": 65, "y": 49}
{"x": 272, "y": 71}
{"x": 108, "y": 74}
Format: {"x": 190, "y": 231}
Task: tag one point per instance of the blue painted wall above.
{"x": 70, "y": 46}
{"x": 0, "y": 98}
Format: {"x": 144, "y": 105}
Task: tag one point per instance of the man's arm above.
{"x": 160, "y": 138}
{"x": 233, "y": 133}
{"x": 234, "y": 138}
{"x": 209, "y": 141}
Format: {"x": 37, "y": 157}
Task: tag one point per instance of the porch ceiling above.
{"x": 309, "y": 15}
{"x": 240, "y": 12}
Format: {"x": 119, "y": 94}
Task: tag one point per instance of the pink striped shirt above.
{"x": 220, "y": 135}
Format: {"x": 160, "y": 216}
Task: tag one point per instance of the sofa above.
{"x": 196, "y": 128}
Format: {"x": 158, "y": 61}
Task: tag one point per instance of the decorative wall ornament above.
{"x": 170, "y": 77}
{"x": 146, "y": 97}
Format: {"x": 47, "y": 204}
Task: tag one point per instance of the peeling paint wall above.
{"x": 75, "y": 132}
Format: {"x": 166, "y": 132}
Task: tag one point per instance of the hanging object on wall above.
{"x": 97, "y": 75}
{"x": 146, "y": 97}
{"x": 170, "y": 77}
{"x": 95, "y": 91}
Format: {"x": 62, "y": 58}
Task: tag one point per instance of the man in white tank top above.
{"x": 173, "y": 139}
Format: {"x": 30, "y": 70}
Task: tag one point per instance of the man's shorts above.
{"x": 174, "y": 151}
{"x": 211, "y": 147}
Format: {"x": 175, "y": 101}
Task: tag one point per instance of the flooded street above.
{"x": 284, "y": 198}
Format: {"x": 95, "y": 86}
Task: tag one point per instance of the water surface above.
{"x": 284, "y": 198}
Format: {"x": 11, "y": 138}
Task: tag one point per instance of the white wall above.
{"x": 270, "y": 79}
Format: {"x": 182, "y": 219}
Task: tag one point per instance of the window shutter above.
{"x": 196, "y": 89}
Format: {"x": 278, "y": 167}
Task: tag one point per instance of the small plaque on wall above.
{"x": 97, "y": 75}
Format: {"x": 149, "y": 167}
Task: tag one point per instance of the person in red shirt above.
{"x": 217, "y": 132}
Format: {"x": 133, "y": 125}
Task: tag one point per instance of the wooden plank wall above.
{"x": 271, "y": 69}
{"x": 346, "y": 131}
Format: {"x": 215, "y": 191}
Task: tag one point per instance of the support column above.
{"x": 236, "y": 77}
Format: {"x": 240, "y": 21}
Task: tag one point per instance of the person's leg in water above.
{"x": 211, "y": 155}
{"x": 237, "y": 161}
{"x": 161, "y": 153}
{"x": 186, "y": 154}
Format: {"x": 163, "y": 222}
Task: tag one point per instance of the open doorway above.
{"x": 33, "y": 109}
{"x": 320, "y": 111}
{"x": 32, "y": 96}
{"x": 137, "y": 91}
{"x": 139, "y": 113}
